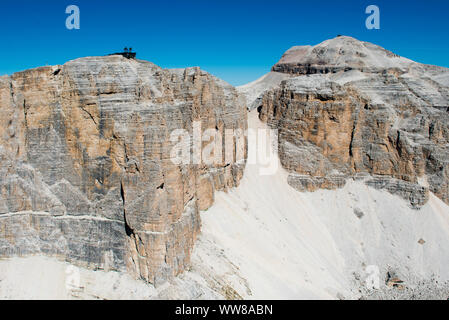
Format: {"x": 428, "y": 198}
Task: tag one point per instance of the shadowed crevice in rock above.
{"x": 129, "y": 231}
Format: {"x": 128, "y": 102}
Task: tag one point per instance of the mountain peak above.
{"x": 341, "y": 53}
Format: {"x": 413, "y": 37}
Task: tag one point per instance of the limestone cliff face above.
{"x": 86, "y": 171}
{"x": 355, "y": 110}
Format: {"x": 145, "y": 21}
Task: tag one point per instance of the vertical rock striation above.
{"x": 356, "y": 110}
{"x": 86, "y": 166}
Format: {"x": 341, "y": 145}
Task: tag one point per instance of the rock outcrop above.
{"x": 254, "y": 91}
{"x": 86, "y": 165}
{"x": 355, "y": 110}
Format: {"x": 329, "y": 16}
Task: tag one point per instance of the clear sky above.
{"x": 237, "y": 41}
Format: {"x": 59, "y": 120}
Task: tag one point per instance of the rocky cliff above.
{"x": 353, "y": 110}
{"x": 86, "y": 170}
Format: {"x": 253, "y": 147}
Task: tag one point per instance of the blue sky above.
{"x": 237, "y": 41}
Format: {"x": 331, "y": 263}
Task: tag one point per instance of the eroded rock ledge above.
{"x": 355, "y": 109}
{"x": 86, "y": 173}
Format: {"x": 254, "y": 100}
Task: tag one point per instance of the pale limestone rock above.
{"x": 353, "y": 108}
{"x": 86, "y": 168}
